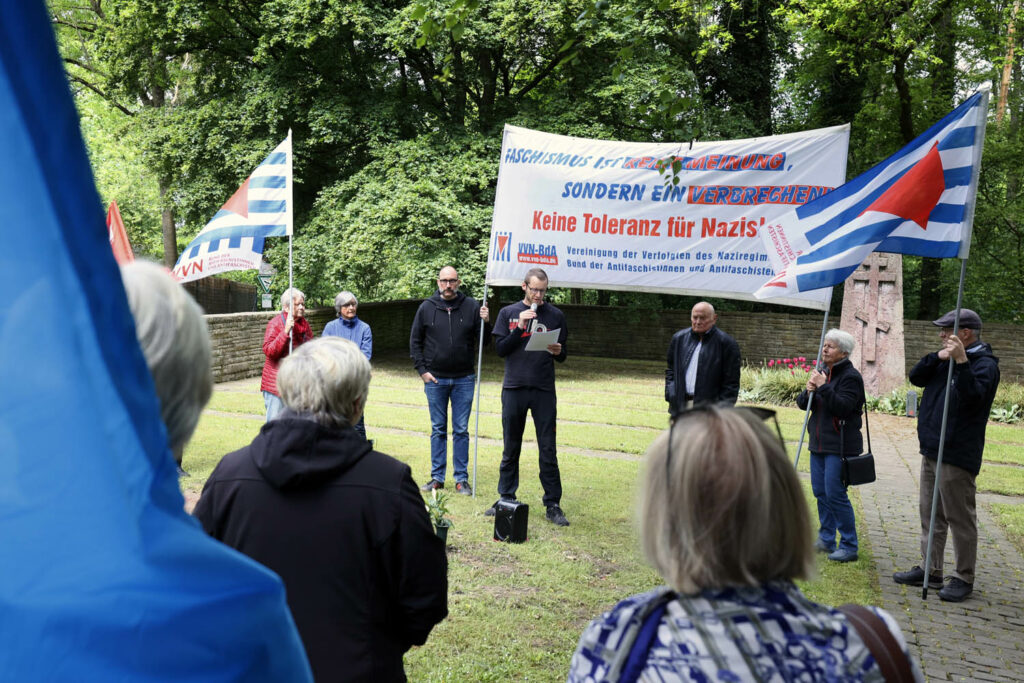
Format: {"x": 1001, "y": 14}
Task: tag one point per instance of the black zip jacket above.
{"x": 444, "y": 336}
{"x": 974, "y": 388}
{"x": 718, "y": 369}
{"x": 345, "y": 528}
{"x": 840, "y": 398}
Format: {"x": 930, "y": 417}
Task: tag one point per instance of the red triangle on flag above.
{"x": 913, "y": 196}
{"x": 502, "y": 241}
{"x": 239, "y": 202}
{"x": 118, "y": 237}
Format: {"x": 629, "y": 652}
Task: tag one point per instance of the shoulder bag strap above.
{"x": 637, "y": 659}
{"x": 867, "y": 431}
{"x": 891, "y": 658}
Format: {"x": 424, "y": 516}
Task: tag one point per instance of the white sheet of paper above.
{"x": 539, "y": 340}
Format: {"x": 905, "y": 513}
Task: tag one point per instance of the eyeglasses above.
{"x": 763, "y": 414}
{"x": 534, "y": 290}
{"x": 451, "y": 281}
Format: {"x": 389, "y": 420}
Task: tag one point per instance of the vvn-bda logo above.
{"x": 539, "y": 254}
{"x": 503, "y": 246}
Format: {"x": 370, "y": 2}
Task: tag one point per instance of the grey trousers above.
{"x": 955, "y": 512}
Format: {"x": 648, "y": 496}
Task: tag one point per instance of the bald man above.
{"x": 442, "y": 345}
{"x": 703, "y": 363}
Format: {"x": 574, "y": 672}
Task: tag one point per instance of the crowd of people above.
{"x": 723, "y": 518}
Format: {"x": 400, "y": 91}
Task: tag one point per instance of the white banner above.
{"x": 598, "y": 214}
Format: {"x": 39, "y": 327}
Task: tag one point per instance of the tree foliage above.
{"x": 397, "y": 108}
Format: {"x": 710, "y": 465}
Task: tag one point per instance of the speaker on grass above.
{"x": 511, "y": 519}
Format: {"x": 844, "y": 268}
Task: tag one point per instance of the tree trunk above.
{"x": 168, "y": 229}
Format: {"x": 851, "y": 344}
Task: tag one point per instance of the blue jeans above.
{"x": 459, "y": 391}
{"x": 273, "y": 404}
{"x": 835, "y": 513}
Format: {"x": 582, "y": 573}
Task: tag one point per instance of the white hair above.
{"x": 844, "y": 340}
{"x": 343, "y": 298}
{"x": 288, "y": 295}
{"x": 327, "y": 378}
{"x": 176, "y": 343}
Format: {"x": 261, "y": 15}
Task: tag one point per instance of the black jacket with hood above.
{"x": 444, "y": 336}
{"x": 346, "y": 529}
{"x": 974, "y": 388}
{"x": 840, "y": 398}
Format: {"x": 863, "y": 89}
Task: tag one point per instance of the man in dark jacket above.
{"x": 975, "y": 379}
{"x": 529, "y": 386}
{"x": 442, "y": 345}
{"x": 343, "y": 525}
{"x": 703, "y": 363}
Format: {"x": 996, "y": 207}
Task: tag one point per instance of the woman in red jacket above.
{"x": 289, "y": 324}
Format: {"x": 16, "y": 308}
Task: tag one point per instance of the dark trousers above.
{"x": 956, "y": 512}
{"x": 543, "y": 406}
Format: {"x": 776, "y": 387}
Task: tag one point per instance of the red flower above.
{"x": 771, "y": 363}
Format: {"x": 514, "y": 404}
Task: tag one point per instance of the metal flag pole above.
{"x": 942, "y": 437}
{"x": 817, "y": 366}
{"x": 291, "y": 229}
{"x": 479, "y": 370}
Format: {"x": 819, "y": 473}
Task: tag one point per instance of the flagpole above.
{"x": 817, "y": 365}
{"x": 479, "y": 369}
{"x": 942, "y": 436}
{"x": 291, "y": 229}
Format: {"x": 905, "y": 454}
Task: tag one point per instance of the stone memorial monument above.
{"x": 873, "y": 314}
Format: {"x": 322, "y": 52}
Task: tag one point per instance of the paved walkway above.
{"x": 980, "y": 639}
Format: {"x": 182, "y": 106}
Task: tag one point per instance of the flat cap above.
{"x": 968, "y": 319}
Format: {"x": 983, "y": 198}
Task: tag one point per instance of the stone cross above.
{"x": 873, "y": 272}
{"x": 873, "y": 314}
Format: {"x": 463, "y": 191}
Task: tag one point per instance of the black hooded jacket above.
{"x": 346, "y": 529}
{"x": 974, "y": 388}
{"x": 444, "y": 336}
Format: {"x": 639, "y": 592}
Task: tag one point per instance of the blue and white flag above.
{"x": 103, "y": 576}
{"x": 919, "y": 201}
{"x": 233, "y": 239}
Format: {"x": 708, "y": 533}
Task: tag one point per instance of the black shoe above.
{"x": 956, "y": 590}
{"x": 822, "y": 547}
{"x": 915, "y": 577}
{"x": 491, "y": 511}
{"x": 464, "y": 488}
{"x": 181, "y": 472}
{"x": 432, "y": 485}
{"x": 556, "y": 516}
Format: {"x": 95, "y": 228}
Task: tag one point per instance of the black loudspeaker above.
{"x": 511, "y": 519}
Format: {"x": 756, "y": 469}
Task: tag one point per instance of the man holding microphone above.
{"x": 529, "y": 385}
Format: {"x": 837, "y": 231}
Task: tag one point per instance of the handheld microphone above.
{"x": 533, "y": 307}
{"x": 533, "y": 323}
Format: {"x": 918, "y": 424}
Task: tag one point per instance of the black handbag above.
{"x": 857, "y": 469}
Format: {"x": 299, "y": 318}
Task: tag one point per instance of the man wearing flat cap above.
{"x": 975, "y": 379}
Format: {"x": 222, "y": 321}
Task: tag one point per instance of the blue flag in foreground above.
{"x": 103, "y": 577}
{"x": 233, "y": 239}
{"x": 919, "y": 201}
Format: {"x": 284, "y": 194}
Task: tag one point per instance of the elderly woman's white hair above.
{"x": 172, "y": 332}
{"x": 844, "y": 340}
{"x": 289, "y": 294}
{"x": 723, "y": 506}
{"x": 327, "y": 378}
{"x": 344, "y": 298}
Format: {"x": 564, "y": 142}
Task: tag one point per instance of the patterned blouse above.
{"x": 771, "y": 633}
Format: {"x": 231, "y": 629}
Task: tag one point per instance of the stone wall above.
{"x": 602, "y": 331}
{"x": 217, "y": 295}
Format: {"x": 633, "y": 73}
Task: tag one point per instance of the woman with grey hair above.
{"x": 348, "y": 326}
{"x": 176, "y": 344}
{"x": 724, "y": 522}
{"x": 836, "y": 394}
{"x": 285, "y": 331}
{"x": 343, "y": 525}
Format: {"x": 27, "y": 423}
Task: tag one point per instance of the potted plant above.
{"x": 437, "y": 508}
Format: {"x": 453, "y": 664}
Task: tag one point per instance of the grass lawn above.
{"x": 516, "y": 611}
{"x": 1002, "y": 471}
